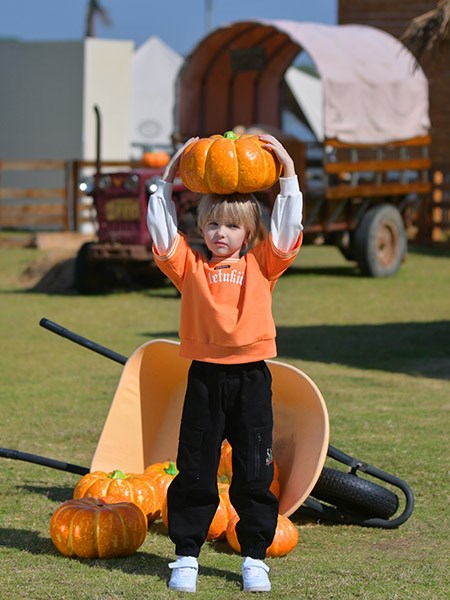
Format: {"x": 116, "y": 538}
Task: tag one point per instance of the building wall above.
{"x": 41, "y": 100}
{"x": 48, "y": 93}
{"x": 394, "y": 16}
{"x": 107, "y": 83}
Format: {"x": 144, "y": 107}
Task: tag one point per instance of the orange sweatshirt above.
{"x": 226, "y": 306}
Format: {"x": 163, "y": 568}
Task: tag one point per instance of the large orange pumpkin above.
{"x": 224, "y": 164}
{"x": 91, "y": 528}
{"x": 285, "y": 540}
{"x": 132, "y": 487}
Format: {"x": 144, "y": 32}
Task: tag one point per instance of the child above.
{"x": 227, "y": 330}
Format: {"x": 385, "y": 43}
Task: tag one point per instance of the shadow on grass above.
{"x": 412, "y": 348}
{"x": 25, "y": 539}
{"x": 138, "y": 563}
{"x": 58, "y": 280}
{"x": 54, "y": 493}
{"x": 350, "y": 271}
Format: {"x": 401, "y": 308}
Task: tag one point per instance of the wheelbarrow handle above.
{"x": 359, "y": 465}
{"x": 82, "y": 341}
{"x": 42, "y": 460}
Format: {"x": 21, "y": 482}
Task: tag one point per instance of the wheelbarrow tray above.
{"x": 143, "y": 422}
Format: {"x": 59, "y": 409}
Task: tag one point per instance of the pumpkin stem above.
{"x": 117, "y": 474}
{"x": 171, "y": 469}
{"x": 230, "y": 135}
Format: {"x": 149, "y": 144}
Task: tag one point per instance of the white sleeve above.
{"x": 286, "y": 220}
{"x": 162, "y": 217}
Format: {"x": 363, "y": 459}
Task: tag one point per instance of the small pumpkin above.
{"x": 162, "y": 475}
{"x": 224, "y": 493}
{"x": 225, "y": 470}
{"x": 92, "y": 528}
{"x": 132, "y": 487}
{"x": 217, "y": 529}
{"x": 285, "y": 540}
{"x": 224, "y": 164}
{"x": 155, "y": 159}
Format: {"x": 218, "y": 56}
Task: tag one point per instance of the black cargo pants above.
{"x": 232, "y": 402}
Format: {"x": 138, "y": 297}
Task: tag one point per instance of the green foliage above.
{"x": 377, "y": 349}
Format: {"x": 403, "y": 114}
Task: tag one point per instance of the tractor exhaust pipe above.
{"x": 98, "y": 128}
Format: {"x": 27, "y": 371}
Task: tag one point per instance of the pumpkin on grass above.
{"x": 224, "y": 164}
{"x": 132, "y": 487}
{"x": 285, "y": 540}
{"x": 92, "y": 528}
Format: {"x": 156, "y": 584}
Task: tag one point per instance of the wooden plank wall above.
{"x": 394, "y": 16}
{"x": 389, "y": 15}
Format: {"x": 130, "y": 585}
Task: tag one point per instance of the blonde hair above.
{"x": 238, "y": 208}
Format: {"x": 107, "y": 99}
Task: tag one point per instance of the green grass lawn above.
{"x": 379, "y": 351}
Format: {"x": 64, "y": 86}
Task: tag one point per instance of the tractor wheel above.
{"x": 86, "y": 274}
{"x": 348, "y": 492}
{"x": 380, "y": 242}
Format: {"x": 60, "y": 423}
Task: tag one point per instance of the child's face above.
{"x": 224, "y": 238}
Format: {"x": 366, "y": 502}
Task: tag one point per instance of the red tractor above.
{"x": 121, "y": 257}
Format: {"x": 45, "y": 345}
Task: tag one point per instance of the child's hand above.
{"x": 172, "y": 167}
{"x": 281, "y": 153}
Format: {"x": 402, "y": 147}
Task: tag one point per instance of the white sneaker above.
{"x": 255, "y": 575}
{"x": 184, "y": 574}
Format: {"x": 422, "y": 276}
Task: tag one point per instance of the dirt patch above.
{"x": 53, "y": 273}
{"x": 25, "y": 241}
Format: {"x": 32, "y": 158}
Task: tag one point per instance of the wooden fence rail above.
{"x": 32, "y": 207}
{"x": 42, "y": 207}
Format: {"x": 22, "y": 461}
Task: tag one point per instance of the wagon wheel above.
{"x": 380, "y": 241}
{"x": 345, "y": 245}
{"x": 348, "y": 492}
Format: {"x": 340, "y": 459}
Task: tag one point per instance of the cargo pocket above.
{"x": 189, "y": 452}
{"x": 260, "y": 463}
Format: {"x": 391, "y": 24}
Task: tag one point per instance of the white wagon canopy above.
{"x": 374, "y": 92}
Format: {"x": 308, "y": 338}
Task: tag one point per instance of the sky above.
{"x": 179, "y": 23}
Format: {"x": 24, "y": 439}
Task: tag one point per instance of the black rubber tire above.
{"x": 86, "y": 279}
{"x": 380, "y": 242}
{"x": 346, "y": 247}
{"x": 349, "y": 492}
